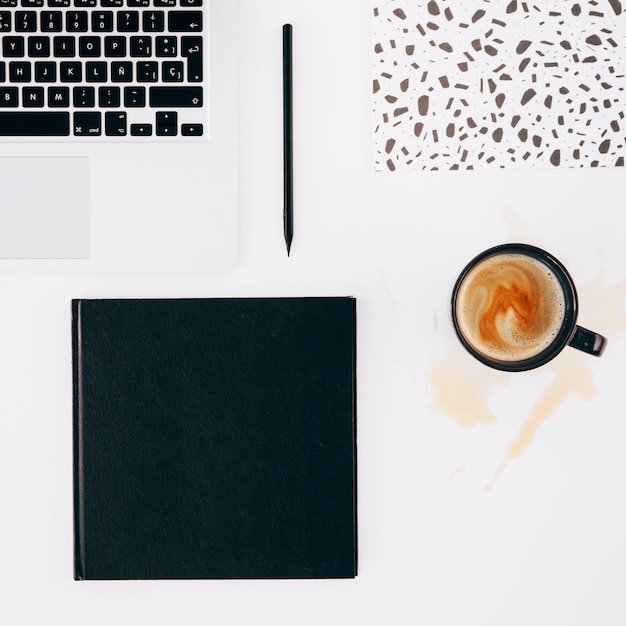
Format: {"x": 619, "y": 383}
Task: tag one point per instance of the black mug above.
{"x": 515, "y": 307}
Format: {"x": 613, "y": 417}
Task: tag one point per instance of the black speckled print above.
{"x": 464, "y": 84}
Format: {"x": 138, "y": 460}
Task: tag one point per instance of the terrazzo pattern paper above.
{"x": 468, "y": 84}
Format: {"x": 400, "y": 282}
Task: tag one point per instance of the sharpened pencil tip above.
{"x": 288, "y": 242}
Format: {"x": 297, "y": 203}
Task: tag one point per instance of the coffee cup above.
{"x": 515, "y": 307}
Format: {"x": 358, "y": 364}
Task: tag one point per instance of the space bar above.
{"x": 35, "y": 124}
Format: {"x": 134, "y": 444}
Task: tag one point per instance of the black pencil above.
{"x": 287, "y": 138}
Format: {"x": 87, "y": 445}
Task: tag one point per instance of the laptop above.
{"x": 118, "y": 135}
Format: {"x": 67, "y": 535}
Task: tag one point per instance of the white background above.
{"x": 544, "y": 546}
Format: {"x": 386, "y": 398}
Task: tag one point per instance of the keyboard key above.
{"x": 84, "y": 97}
{"x": 115, "y": 124}
{"x": 89, "y": 47}
{"x": 190, "y": 3}
{"x": 8, "y": 3}
{"x": 96, "y": 72}
{"x": 166, "y": 46}
{"x": 115, "y": 46}
{"x": 58, "y": 3}
{"x": 8, "y": 96}
{"x": 19, "y": 72}
{"x": 34, "y": 124}
{"x": 147, "y": 71}
{"x": 51, "y": 21}
{"x": 166, "y": 123}
{"x": 13, "y": 46}
{"x": 76, "y": 21}
{"x": 141, "y": 46}
{"x": 109, "y": 96}
{"x": 58, "y": 97}
{"x": 3, "y": 74}
{"x": 134, "y": 97}
{"x": 192, "y": 130}
{"x": 39, "y": 47}
{"x": 172, "y": 72}
{"x": 128, "y": 21}
{"x": 112, "y": 3}
{"x": 32, "y": 3}
{"x": 185, "y": 21}
{"x": 175, "y": 96}
{"x": 102, "y": 22}
{"x": 26, "y": 21}
{"x": 85, "y": 3}
{"x": 64, "y": 47}
{"x": 164, "y": 3}
{"x": 45, "y": 72}
{"x": 154, "y": 21}
{"x": 5, "y": 21}
{"x": 87, "y": 124}
{"x": 121, "y": 72}
{"x": 191, "y": 49}
{"x": 138, "y": 3}
{"x": 71, "y": 71}
{"x": 141, "y": 130}
{"x": 32, "y": 97}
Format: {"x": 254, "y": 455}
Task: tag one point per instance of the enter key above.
{"x": 191, "y": 49}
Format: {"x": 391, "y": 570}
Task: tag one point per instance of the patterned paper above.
{"x": 462, "y": 84}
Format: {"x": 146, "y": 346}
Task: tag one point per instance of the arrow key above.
{"x": 166, "y": 123}
{"x": 192, "y": 130}
{"x": 141, "y": 130}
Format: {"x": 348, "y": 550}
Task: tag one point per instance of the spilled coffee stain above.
{"x": 571, "y": 374}
{"x": 462, "y": 392}
{"x": 457, "y": 471}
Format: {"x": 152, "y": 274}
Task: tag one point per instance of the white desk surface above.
{"x": 465, "y": 519}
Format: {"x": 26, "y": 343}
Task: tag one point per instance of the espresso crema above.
{"x": 510, "y": 307}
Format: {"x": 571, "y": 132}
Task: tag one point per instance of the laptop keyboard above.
{"x": 102, "y": 68}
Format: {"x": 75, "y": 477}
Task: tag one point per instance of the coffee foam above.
{"x": 510, "y": 307}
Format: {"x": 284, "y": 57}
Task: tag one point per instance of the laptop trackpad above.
{"x": 45, "y": 208}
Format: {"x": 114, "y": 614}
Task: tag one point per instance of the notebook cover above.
{"x": 214, "y": 438}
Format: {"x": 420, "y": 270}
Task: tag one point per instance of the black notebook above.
{"x": 214, "y": 438}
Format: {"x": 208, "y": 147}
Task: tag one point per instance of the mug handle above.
{"x": 588, "y": 341}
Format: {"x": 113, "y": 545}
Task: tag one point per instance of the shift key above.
{"x": 175, "y": 96}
